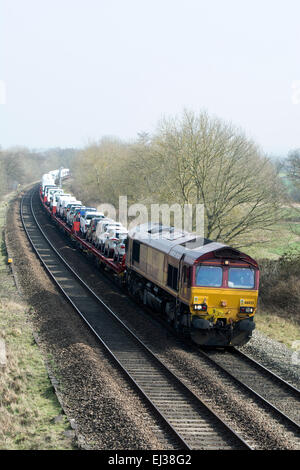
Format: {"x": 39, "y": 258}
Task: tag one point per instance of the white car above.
{"x": 100, "y": 229}
{"x": 47, "y": 179}
{"x": 52, "y": 194}
{"x": 68, "y": 207}
{"x": 54, "y": 200}
{"x": 63, "y": 201}
{"x": 59, "y": 200}
{"x": 48, "y": 192}
{"x": 91, "y": 230}
{"x": 86, "y": 218}
{"x": 103, "y": 232}
{"x": 71, "y": 213}
{"x": 47, "y": 187}
{"x": 119, "y": 249}
{"x": 112, "y": 238}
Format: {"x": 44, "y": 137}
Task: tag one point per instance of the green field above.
{"x": 284, "y": 237}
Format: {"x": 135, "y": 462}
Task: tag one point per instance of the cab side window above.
{"x": 172, "y": 280}
{"x": 186, "y": 275}
{"x": 135, "y": 252}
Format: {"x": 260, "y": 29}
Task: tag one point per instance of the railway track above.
{"x": 280, "y": 397}
{"x": 189, "y": 420}
{"x": 277, "y": 396}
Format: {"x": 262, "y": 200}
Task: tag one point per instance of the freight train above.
{"x": 206, "y": 290}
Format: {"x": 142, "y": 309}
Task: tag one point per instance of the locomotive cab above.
{"x": 223, "y": 297}
{"x": 205, "y": 289}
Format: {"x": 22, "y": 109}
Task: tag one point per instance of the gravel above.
{"x": 275, "y": 356}
{"x": 245, "y": 416}
{"x": 106, "y": 411}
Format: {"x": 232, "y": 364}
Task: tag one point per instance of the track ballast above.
{"x": 189, "y": 420}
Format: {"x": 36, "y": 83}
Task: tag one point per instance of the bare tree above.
{"x": 189, "y": 160}
{"x": 204, "y": 160}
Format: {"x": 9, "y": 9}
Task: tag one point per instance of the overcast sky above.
{"x": 75, "y": 70}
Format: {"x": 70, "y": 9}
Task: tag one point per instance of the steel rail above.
{"x": 252, "y": 390}
{"x": 270, "y": 373}
{"x": 220, "y": 428}
{"x": 260, "y": 397}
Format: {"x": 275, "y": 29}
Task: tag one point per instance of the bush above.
{"x": 280, "y": 285}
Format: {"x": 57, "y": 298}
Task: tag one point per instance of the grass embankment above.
{"x": 30, "y": 414}
{"x": 279, "y": 313}
{"x": 272, "y": 244}
{"x": 278, "y": 254}
{"x": 277, "y": 327}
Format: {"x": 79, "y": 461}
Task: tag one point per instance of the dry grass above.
{"x": 30, "y": 415}
{"x": 272, "y": 244}
{"x": 277, "y": 326}
{"x": 279, "y": 313}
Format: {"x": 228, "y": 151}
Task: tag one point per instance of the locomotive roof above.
{"x": 173, "y": 241}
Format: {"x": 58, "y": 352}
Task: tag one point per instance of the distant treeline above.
{"x": 20, "y": 166}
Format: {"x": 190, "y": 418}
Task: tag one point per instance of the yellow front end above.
{"x": 222, "y": 317}
{"x": 223, "y": 303}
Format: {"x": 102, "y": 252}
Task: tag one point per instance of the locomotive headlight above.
{"x": 202, "y": 307}
{"x": 246, "y": 309}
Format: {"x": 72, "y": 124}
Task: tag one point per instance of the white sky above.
{"x": 76, "y": 70}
